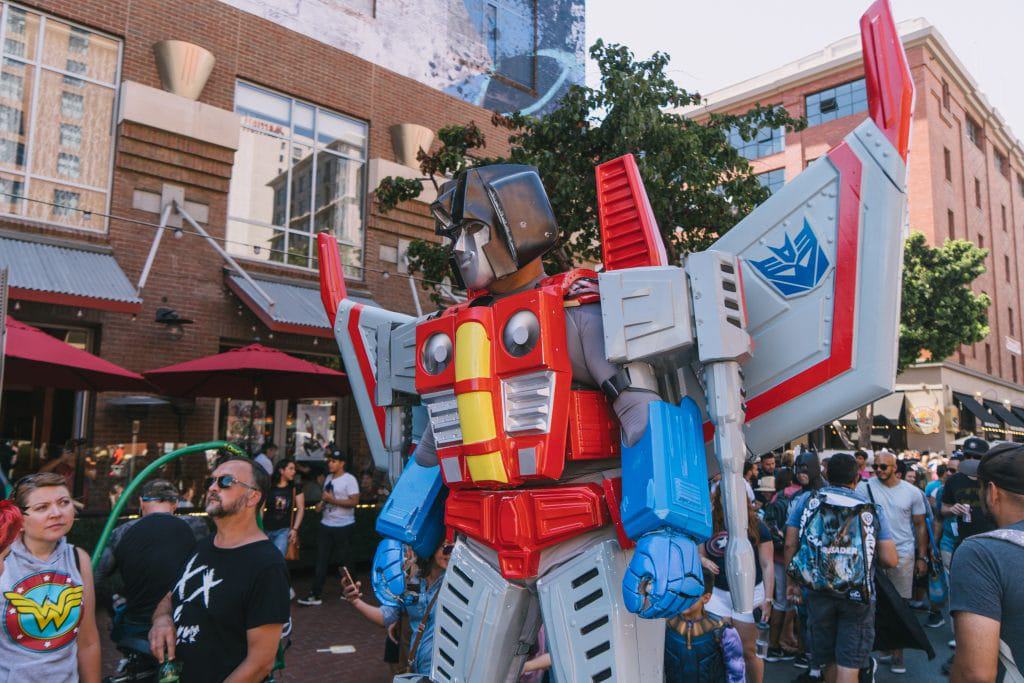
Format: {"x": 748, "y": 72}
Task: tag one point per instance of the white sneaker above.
{"x": 291, "y": 593}
{"x": 310, "y": 600}
{"x": 898, "y": 667}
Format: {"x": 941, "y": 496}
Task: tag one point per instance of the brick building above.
{"x": 287, "y": 138}
{"x": 966, "y": 181}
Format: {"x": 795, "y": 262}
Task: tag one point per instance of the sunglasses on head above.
{"x": 226, "y": 481}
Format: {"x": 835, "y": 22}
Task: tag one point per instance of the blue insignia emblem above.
{"x": 795, "y": 267}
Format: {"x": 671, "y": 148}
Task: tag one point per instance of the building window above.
{"x": 974, "y": 132}
{"x": 1009, "y": 313}
{"x": 947, "y": 160}
{"x": 1006, "y": 265}
{"x": 299, "y": 170}
{"x": 988, "y": 358}
{"x": 69, "y": 165}
{"x": 58, "y": 83}
{"x": 70, "y": 136}
{"x": 1002, "y": 163}
{"x": 510, "y": 31}
{"x": 945, "y": 95}
{"x": 766, "y": 141}
{"x": 833, "y": 103}
{"x": 773, "y": 180}
{"x": 951, "y": 221}
{"x": 1020, "y": 184}
{"x": 981, "y": 241}
{"x": 1013, "y": 366}
{"x": 1002, "y": 210}
{"x": 977, "y": 193}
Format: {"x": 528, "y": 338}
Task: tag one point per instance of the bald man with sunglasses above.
{"x": 223, "y": 619}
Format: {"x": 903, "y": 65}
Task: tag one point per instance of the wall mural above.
{"x": 505, "y": 55}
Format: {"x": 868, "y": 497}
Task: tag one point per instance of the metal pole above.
{"x": 164, "y": 216}
{"x": 126, "y": 495}
{"x": 223, "y": 254}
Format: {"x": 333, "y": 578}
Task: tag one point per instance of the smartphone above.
{"x": 348, "y": 577}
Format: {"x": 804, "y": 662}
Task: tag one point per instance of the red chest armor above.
{"x": 497, "y": 381}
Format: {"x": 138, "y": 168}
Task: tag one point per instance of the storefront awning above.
{"x": 67, "y": 276}
{"x": 1018, "y": 411}
{"x": 297, "y": 309}
{"x": 970, "y": 405}
{"x": 1007, "y": 416}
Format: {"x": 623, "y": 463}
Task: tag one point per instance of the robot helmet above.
{"x": 497, "y": 219}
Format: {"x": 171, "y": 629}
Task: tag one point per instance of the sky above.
{"x": 716, "y": 43}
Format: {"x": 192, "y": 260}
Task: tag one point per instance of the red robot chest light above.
{"x": 497, "y": 382}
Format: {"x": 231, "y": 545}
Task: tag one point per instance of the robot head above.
{"x": 497, "y": 219}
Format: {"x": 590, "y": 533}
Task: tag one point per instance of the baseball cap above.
{"x": 1004, "y": 467}
{"x": 336, "y": 455}
{"x": 160, "y": 489}
{"x": 974, "y": 447}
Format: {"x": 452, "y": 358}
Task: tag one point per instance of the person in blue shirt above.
{"x": 842, "y": 631}
{"x": 430, "y": 572}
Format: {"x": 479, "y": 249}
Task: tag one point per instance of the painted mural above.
{"x": 505, "y": 55}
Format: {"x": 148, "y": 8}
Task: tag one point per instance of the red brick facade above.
{"x": 931, "y": 195}
{"x": 188, "y": 274}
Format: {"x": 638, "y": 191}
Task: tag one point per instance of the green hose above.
{"x": 143, "y": 475}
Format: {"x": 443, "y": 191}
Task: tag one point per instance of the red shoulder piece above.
{"x": 332, "y": 279}
{"x": 889, "y": 84}
{"x": 629, "y": 233}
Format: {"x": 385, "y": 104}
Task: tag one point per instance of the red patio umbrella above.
{"x": 251, "y": 371}
{"x": 35, "y": 358}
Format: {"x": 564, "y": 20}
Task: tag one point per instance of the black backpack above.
{"x": 775, "y": 515}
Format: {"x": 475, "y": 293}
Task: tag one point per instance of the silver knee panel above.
{"x": 484, "y": 625}
{"x": 591, "y": 635}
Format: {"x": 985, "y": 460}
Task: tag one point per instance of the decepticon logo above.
{"x": 795, "y": 267}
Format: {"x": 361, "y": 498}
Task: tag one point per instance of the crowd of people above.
{"x": 846, "y": 545}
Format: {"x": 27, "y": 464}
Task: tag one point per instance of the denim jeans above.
{"x": 279, "y": 537}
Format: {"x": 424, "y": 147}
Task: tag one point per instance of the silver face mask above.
{"x": 470, "y": 258}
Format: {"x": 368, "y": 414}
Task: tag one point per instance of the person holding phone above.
{"x": 337, "y": 522}
{"x": 418, "y": 606}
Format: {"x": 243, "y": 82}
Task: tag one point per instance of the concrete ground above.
{"x": 336, "y": 623}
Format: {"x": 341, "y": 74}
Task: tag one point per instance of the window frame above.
{"x": 778, "y": 136}
{"x": 36, "y": 62}
{"x": 973, "y": 131}
{"x": 817, "y": 93}
{"x": 767, "y": 184}
{"x": 947, "y": 161}
{"x": 315, "y": 148}
{"x": 493, "y": 72}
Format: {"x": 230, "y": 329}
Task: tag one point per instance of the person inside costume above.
{"x": 700, "y": 648}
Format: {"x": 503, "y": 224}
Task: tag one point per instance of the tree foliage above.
{"x": 939, "y": 310}
{"x": 698, "y": 184}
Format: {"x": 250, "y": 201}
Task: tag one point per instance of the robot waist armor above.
{"x": 520, "y": 523}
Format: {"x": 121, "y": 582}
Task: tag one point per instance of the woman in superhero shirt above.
{"x": 49, "y": 630}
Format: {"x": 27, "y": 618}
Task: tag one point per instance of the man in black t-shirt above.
{"x": 225, "y": 615}
{"x": 149, "y": 552}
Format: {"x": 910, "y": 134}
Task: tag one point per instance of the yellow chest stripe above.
{"x": 476, "y": 408}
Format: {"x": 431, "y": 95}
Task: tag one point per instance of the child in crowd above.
{"x": 700, "y": 648}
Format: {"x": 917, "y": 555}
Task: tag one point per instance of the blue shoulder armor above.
{"x": 665, "y": 475}
{"x": 414, "y": 512}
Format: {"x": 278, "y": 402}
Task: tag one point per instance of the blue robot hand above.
{"x": 664, "y": 577}
{"x": 387, "y": 575}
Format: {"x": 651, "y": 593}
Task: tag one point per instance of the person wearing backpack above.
{"x": 835, "y": 537}
{"x": 986, "y": 594}
{"x": 775, "y": 514}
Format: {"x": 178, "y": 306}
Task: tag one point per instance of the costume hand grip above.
{"x": 664, "y": 576}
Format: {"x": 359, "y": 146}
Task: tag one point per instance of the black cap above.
{"x": 1004, "y": 467}
{"x": 336, "y": 455}
{"x": 974, "y": 447}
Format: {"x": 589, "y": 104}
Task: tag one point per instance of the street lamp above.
{"x": 174, "y": 322}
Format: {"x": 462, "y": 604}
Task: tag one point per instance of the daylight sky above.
{"x": 715, "y": 43}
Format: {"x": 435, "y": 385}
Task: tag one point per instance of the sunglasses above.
{"x": 226, "y": 481}
{"x": 880, "y": 467}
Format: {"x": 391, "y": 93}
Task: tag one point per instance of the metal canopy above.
{"x": 975, "y": 408}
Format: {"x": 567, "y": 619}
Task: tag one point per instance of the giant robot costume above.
{"x": 569, "y": 416}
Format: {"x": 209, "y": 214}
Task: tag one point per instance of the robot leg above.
{"x": 591, "y": 634}
{"x": 484, "y": 625}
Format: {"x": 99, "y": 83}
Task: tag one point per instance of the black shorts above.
{"x": 842, "y": 631}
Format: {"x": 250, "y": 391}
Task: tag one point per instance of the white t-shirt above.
{"x": 264, "y": 461}
{"x": 899, "y": 503}
{"x": 341, "y": 486}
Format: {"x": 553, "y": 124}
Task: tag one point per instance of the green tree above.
{"x": 939, "y": 310}
{"x": 698, "y": 184}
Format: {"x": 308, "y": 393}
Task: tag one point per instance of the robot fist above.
{"x": 664, "y": 576}
{"x": 387, "y": 576}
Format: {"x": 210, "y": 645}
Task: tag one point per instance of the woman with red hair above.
{"x": 10, "y": 527}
